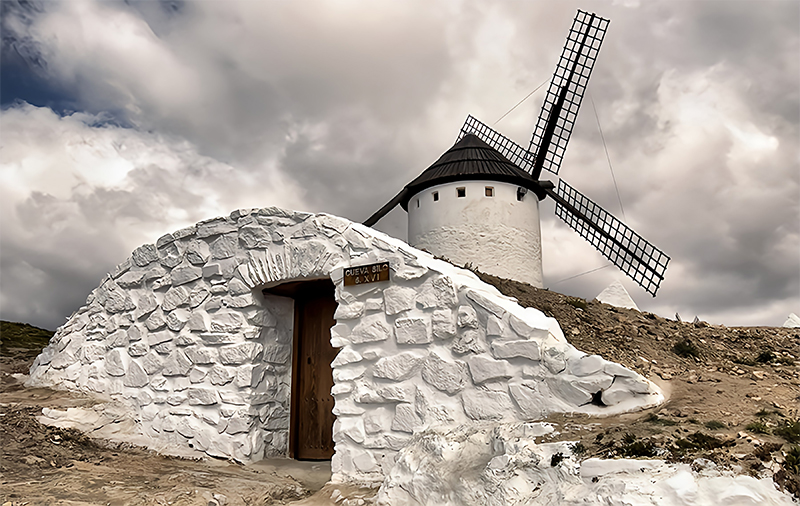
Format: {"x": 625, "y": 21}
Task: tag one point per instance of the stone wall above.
{"x": 181, "y": 333}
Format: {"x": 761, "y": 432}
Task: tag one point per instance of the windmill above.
{"x": 471, "y": 205}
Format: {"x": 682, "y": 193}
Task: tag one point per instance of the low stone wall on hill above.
{"x": 181, "y": 333}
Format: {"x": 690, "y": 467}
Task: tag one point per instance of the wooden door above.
{"x": 312, "y": 423}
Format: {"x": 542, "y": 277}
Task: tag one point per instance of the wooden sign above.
{"x": 371, "y": 273}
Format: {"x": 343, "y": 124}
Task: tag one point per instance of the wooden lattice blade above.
{"x": 631, "y": 253}
{"x": 565, "y": 93}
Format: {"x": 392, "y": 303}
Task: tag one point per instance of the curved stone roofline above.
{"x": 181, "y": 335}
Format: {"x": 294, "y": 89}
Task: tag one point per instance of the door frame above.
{"x": 297, "y": 290}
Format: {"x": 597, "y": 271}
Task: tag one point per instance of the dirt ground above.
{"x": 733, "y": 399}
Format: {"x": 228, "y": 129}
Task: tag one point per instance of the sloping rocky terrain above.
{"x": 733, "y": 392}
{"x": 733, "y": 398}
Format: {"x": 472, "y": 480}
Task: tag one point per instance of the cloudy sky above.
{"x": 122, "y": 121}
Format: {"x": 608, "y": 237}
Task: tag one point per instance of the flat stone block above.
{"x": 483, "y": 368}
{"x": 484, "y": 405}
{"x": 397, "y": 367}
{"x": 512, "y": 349}
{"x": 412, "y": 331}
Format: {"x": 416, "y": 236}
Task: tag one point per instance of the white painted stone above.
{"x": 220, "y": 375}
{"x": 117, "y": 339}
{"x": 486, "y": 405}
{"x": 131, "y": 279}
{"x": 177, "y": 364}
{"x": 566, "y": 389}
{"x": 494, "y": 327}
{"x": 397, "y": 367}
{"x": 216, "y": 226}
{"x": 138, "y": 349}
{"x": 586, "y": 365}
{"x": 450, "y": 377}
{"x": 144, "y": 255}
{"x": 483, "y": 368}
{"x": 512, "y": 349}
{"x": 412, "y": 331}
{"x": 487, "y": 305}
{"x": 443, "y": 323}
{"x": 175, "y": 296}
{"x": 276, "y": 353}
{"x": 346, "y": 356}
{"x": 177, "y": 318}
{"x": 156, "y": 321}
{"x": 369, "y": 331}
{"x": 406, "y": 418}
{"x": 397, "y": 299}
{"x": 553, "y": 358}
{"x": 349, "y": 311}
{"x": 226, "y": 321}
{"x": 467, "y": 317}
{"x": 115, "y": 366}
{"x": 184, "y": 274}
{"x": 239, "y": 354}
{"x": 201, "y": 355}
{"x": 152, "y": 363}
{"x": 135, "y": 377}
{"x": 202, "y": 396}
{"x": 533, "y": 404}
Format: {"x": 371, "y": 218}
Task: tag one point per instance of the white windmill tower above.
{"x": 479, "y": 203}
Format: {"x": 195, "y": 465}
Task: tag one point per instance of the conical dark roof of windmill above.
{"x": 470, "y": 159}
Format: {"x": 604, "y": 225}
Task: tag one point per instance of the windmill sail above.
{"x": 560, "y": 108}
{"x": 518, "y": 155}
{"x": 630, "y": 252}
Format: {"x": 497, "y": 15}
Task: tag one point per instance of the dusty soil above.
{"x": 44, "y": 465}
{"x": 733, "y": 399}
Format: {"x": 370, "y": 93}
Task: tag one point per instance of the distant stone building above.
{"x": 278, "y": 333}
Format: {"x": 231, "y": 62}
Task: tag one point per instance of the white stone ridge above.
{"x": 181, "y": 335}
{"x": 505, "y": 465}
{"x": 793, "y": 321}
{"x": 616, "y": 295}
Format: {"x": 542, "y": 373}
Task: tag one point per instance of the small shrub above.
{"x": 578, "y": 303}
{"x": 757, "y": 427}
{"x": 714, "y": 425}
{"x": 693, "y": 421}
{"x": 655, "y": 419}
{"x": 765, "y": 357}
{"x": 578, "y": 449}
{"x": 700, "y": 441}
{"x": 791, "y": 461}
{"x": 743, "y": 361}
{"x": 789, "y": 430}
{"x": 686, "y": 349}
{"x": 633, "y": 448}
{"x": 762, "y": 413}
{"x": 556, "y": 459}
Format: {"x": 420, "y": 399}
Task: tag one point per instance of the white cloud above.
{"x": 78, "y": 196}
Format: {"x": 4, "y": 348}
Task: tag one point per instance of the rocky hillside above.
{"x": 733, "y": 392}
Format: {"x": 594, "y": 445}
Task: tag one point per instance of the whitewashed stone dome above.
{"x": 181, "y": 335}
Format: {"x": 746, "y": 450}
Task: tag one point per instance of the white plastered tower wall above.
{"x": 181, "y": 338}
{"x": 498, "y": 234}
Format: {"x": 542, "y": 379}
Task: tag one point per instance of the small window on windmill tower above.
{"x": 435, "y": 196}
{"x": 490, "y": 191}
{"x": 461, "y": 192}
{"x": 417, "y": 202}
{"x": 521, "y": 193}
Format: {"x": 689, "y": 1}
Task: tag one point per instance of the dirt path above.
{"x": 44, "y": 465}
